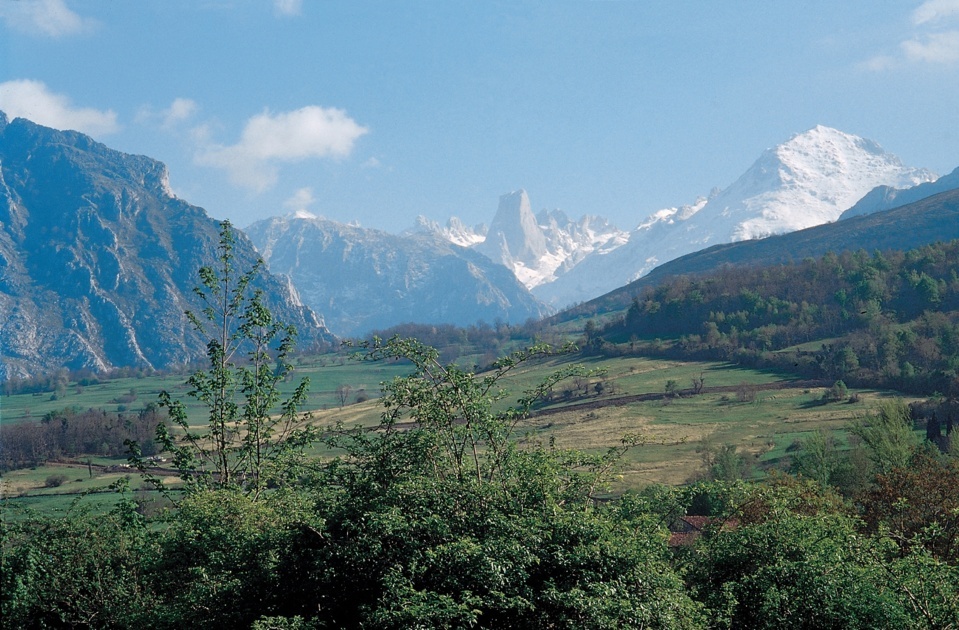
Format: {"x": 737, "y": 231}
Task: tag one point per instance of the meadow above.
{"x": 762, "y": 413}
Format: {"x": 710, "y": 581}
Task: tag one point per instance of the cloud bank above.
{"x": 300, "y": 203}
{"x": 47, "y": 18}
{"x": 271, "y": 139}
{"x": 935, "y": 40}
{"x": 180, "y": 110}
{"x": 935, "y": 10}
{"x": 33, "y": 100}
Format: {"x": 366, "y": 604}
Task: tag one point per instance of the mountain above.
{"x": 537, "y": 248}
{"x": 929, "y": 220}
{"x": 514, "y": 237}
{"x": 364, "y": 279}
{"x": 98, "y": 259}
{"x": 808, "y": 180}
{"x": 886, "y": 197}
{"x": 455, "y": 231}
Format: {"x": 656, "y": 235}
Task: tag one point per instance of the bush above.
{"x": 54, "y": 481}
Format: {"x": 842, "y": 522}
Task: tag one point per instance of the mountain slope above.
{"x": 98, "y": 260}
{"x": 886, "y": 197}
{"x": 933, "y": 219}
{"x": 363, "y": 279}
{"x": 809, "y": 180}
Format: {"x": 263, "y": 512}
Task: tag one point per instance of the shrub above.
{"x": 54, "y": 481}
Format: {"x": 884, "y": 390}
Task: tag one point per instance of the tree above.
{"x": 343, "y": 393}
{"x": 818, "y": 458}
{"x": 794, "y": 560}
{"x": 837, "y": 393}
{"x": 918, "y": 505}
{"x": 672, "y": 388}
{"x": 441, "y": 519}
{"x": 888, "y": 435}
{"x": 245, "y": 444}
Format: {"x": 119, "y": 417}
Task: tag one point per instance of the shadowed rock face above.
{"x": 362, "y": 279}
{"x": 98, "y": 259}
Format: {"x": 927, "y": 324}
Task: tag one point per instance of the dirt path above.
{"x": 615, "y": 401}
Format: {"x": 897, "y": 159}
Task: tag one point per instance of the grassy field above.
{"x": 760, "y": 422}
{"x": 762, "y": 413}
{"x": 326, "y": 373}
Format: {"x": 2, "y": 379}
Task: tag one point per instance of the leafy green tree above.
{"x": 440, "y": 519}
{"x": 80, "y": 570}
{"x": 725, "y": 462}
{"x": 794, "y": 560}
{"x": 818, "y": 459}
{"x": 888, "y": 435}
{"x": 226, "y": 560}
{"x": 251, "y": 438}
{"x": 837, "y": 393}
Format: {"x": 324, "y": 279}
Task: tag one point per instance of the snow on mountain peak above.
{"x": 808, "y": 180}
{"x": 455, "y": 231}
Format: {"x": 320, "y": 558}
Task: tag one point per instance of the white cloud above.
{"x": 934, "y": 48}
{"x": 268, "y": 139}
{"x": 934, "y": 40}
{"x": 50, "y": 18}
{"x": 181, "y": 109}
{"x": 935, "y": 10}
{"x": 879, "y": 63}
{"x": 288, "y": 7}
{"x": 300, "y": 202}
{"x": 33, "y": 100}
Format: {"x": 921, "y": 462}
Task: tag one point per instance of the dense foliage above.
{"x": 441, "y": 519}
{"x": 891, "y": 318}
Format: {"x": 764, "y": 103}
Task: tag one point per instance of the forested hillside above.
{"x": 878, "y": 319}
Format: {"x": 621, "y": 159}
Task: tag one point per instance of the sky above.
{"x": 376, "y": 112}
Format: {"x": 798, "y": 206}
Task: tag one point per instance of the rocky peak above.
{"x": 514, "y": 234}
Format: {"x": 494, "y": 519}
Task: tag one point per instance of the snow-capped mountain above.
{"x": 808, "y": 180}
{"x": 537, "y": 248}
{"x": 886, "y": 197}
{"x": 363, "y": 279}
{"x": 455, "y": 231}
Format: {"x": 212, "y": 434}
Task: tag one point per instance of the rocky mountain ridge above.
{"x": 363, "y": 279}
{"x": 98, "y": 259}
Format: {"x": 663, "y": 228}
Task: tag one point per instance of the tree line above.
{"x": 891, "y": 319}
{"x": 72, "y": 432}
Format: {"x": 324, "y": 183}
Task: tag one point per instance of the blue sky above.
{"x": 379, "y": 111}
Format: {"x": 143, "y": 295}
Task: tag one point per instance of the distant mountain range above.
{"x": 98, "y": 259}
{"x": 363, "y": 279}
{"x": 808, "y": 180}
{"x": 929, "y": 220}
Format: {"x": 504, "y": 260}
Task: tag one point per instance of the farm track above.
{"x": 618, "y": 401}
